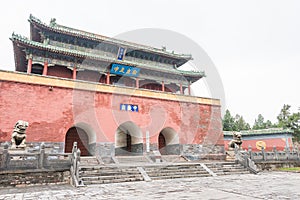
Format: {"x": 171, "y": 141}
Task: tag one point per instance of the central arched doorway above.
{"x": 128, "y": 140}
{"x": 85, "y": 137}
{"x": 168, "y": 142}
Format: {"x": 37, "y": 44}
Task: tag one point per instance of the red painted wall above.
{"x": 52, "y": 111}
{"x": 87, "y": 75}
{"x": 279, "y": 143}
{"x": 60, "y": 71}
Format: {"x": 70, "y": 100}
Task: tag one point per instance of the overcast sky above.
{"x": 254, "y": 44}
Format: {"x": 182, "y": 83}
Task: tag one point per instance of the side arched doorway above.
{"x": 128, "y": 140}
{"x": 168, "y": 142}
{"x": 77, "y": 134}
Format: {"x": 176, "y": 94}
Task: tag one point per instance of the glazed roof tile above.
{"x": 83, "y": 54}
{"x": 269, "y": 131}
{"x": 79, "y": 33}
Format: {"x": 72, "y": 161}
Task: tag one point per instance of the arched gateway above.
{"x": 128, "y": 140}
{"x": 83, "y": 135}
{"x": 168, "y": 142}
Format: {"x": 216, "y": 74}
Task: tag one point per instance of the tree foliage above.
{"x": 228, "y": 122}
{"x": 286, "y": 119}
{"x": 259, "y": 123}
{"x": 236, "y": 123}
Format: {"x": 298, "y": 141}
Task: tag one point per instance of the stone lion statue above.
{"x": 237, "y": 139}
{"x": 18, "y": 137}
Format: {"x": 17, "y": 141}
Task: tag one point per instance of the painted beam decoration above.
{"x": 124, "y": 70}
{"x": 129, "y": 107}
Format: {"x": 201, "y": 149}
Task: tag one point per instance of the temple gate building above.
{"x": 111, "y": 96}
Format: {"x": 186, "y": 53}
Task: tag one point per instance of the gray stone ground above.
{"x": 266, "y": 185}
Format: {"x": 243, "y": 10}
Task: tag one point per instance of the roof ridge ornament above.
{"x": 33, "y": 18}
{"x": 52, "y": 22}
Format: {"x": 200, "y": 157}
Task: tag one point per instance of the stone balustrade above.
{"x": 15, "y": 159}
{"x": 287, "y": 154}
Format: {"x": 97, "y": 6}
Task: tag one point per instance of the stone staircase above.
{"x": 140, "y": 168}
{"x": 178, "y": 170}
{"x": 109, "y": 174}
{"x": 89, "y": 161}
{"x": 133, "y": 160}
{"x": 173, "y": 158}
{"x": 227, "y": 168}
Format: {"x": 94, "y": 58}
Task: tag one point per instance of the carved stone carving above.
{"x": 18, "y": 137}
{"x": 236, "y": 140}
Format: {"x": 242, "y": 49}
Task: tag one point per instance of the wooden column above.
{"x": 29, "y": 65}
{"x": 137, "y": 82}
{"x": 189, "y": 88}
{"x": 181, "y": 90}
{"x": 74, "y": 73}
{"x": 108, "y": 78}
{"x": 163, "y": 86}
{"x": 45, "y": 70}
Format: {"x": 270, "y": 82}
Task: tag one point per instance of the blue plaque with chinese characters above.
{"x": 121, "y": 53}
{"x": 124, "y": 70}
{"x": 129, "y": 107}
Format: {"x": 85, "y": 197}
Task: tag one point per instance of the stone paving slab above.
{"x": 266, "y": 185}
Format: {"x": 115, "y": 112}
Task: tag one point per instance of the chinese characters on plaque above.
{"x": 129, "y": 107}
{"x": 124, "y": 70}
{"x": 121, "y": 53}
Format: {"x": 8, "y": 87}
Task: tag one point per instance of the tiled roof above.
{"x": 83, "y": 54}
{"x": 269, "y": 131}
{"x": 79, "y": 33}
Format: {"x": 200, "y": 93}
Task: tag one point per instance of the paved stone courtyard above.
{"x": 266, "y": 185}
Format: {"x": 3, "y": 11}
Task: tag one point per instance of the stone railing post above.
{"x": 264, "y": 156}
{"x": 298, "y": 153}
{"x": 287, "y": 152}
{"x": 275, "y": 153}
{"x": 75, "y": 162}
{"x": 42, "y": 156}
{"x": 5, "y": 156}
{"x": 245, "y": 157}
{"x": 250, "y": 152}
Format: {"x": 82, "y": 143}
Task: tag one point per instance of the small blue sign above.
{"x": 129, "y": 107}
{"x": 124, "y": 70}
{"x": 121, "y": 53}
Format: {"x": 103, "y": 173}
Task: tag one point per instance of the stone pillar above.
{"x": 163, "y": 86}
{"x": 42, "y": 156}
{"x": 108, "y": 78}
{"x": 74, "y": 73}
{"x": 137, "y": 85}
{"x": 29, "y": 65}
{"x": 45, "y": 68}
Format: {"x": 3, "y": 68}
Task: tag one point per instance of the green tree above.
{"x": 283, "y": 117}
{"x": 269, "y": 124}
{"x": 259, "y": 123}
{"x": 286, "y": 119}
{"x": 241, "y": 124}
{"x": 228, "y": 122}
{"x": 236, "y": 123}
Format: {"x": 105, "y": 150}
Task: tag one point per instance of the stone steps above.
{"x": 179, "y": 176}
{"x": 88, "y": 161}
{"x": 226, "y": 168}
{"x": 112, "y": 174}
{"x": 133, "y": 159}
{"x": 143, "y": 170}
{"x": 173, "y": 158}
{"x": 176, "y": 171}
